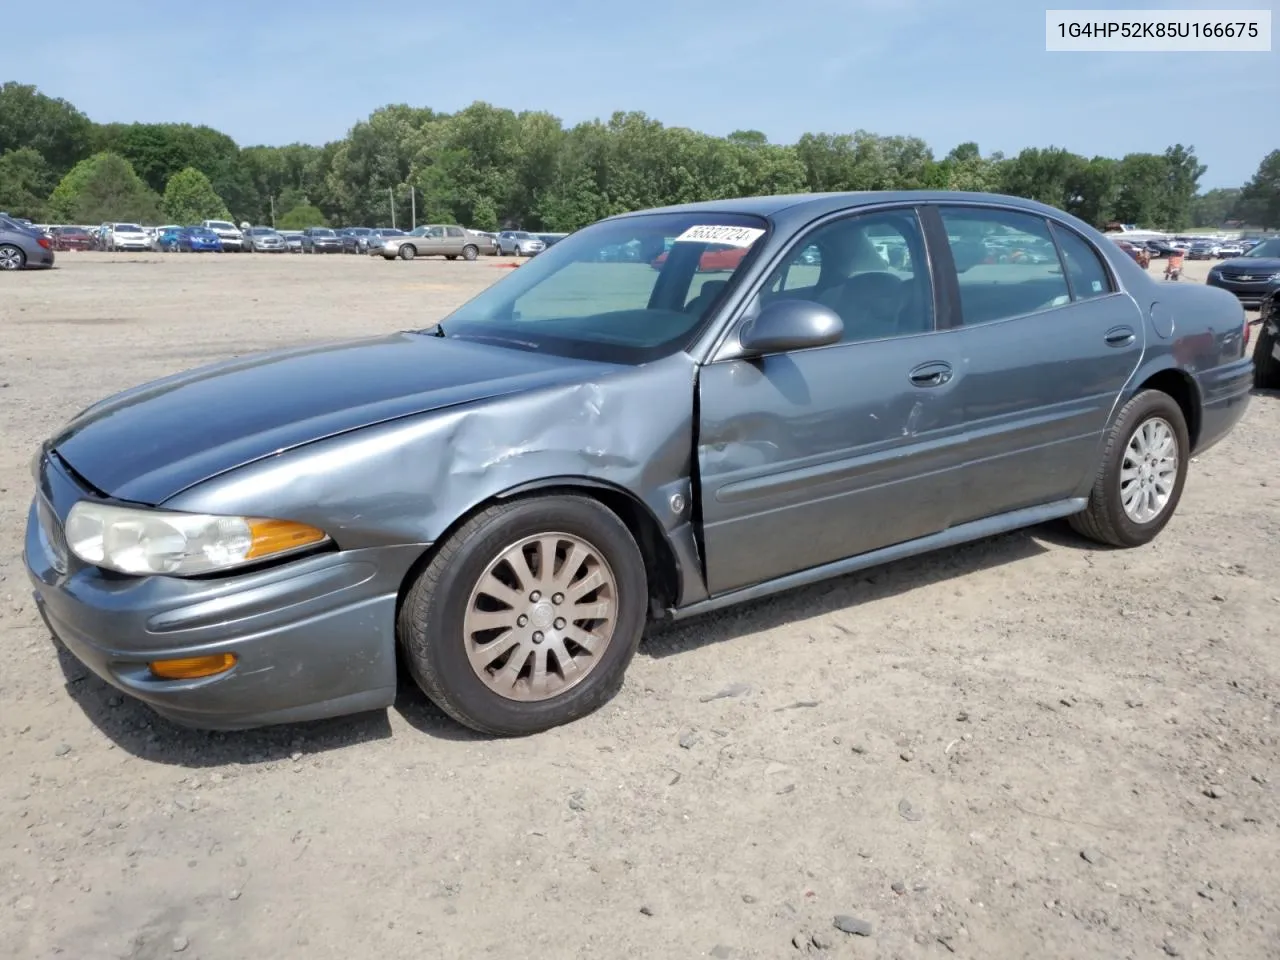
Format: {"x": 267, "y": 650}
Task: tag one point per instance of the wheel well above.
{"x": 659, "y": 559}
{"x": 1182, "y": 388}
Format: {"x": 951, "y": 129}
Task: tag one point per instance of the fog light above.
{"x": 193, "y": 668}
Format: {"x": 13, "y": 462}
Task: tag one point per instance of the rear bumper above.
{"x": 314, "y": 638}
{"x": 1224, "y": 394}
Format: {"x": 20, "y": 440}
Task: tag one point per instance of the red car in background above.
{"x": 70, "y": 238}
{"x": 715, "y": 259}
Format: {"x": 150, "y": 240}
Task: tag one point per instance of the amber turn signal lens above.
{"x": 193, "y": 668}
{"x": 279, "y": 536}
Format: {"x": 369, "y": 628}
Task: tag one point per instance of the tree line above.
{"x": 491, "y": 168}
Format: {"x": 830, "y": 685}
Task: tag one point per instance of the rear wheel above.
{"x": 528, "y": 616}
{"x": 1144, "y": 467}
{"x": 11, "y": 257}
{"x": 1266, "y": 368}
{"x": 470, "y": 252}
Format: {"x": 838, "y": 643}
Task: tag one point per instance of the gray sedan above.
{"x": 23, "y": 247}
{"x": 507, "y": 497}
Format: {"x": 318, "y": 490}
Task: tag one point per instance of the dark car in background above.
{"x": 189, "y": 240}
{"x": 23, "y": 247}
{"x": 321, "y": 240}
{"x": 71, "y": 238}
{"x": 1253, "y": 277}
{"x": 1202, "y": 250}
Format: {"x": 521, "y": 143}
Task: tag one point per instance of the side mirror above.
{"x": 791, "y": 325}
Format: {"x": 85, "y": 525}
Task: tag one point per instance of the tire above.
{"x": 1266, "y": 368}
{"x": 11, "y": 257}
{"x": 388, "y": 256}
{"x": 451, "y": 256}
{"x": 1105, "y": 519}
{"x": 431, "y": 622}
{"x": 408, "y": 251}
{"x": 470, "y": 252}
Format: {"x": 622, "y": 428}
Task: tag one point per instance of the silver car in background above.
{"x": 519, "y": 243}
{"x": 264, "y": 240}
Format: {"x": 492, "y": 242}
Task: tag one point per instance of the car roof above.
{"x": 812, "y": 205}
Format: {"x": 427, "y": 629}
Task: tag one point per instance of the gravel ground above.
{"x": 1023, "y": 747}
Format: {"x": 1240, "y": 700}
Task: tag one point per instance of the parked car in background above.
{"x": 321, "y": 240}
{"x": 231, "y": 236}
{"x": 292, "y": 240}
{"x": 1252, "y": 277}
{"x": 190, "y": 240}
{"x": 715, "y": 259}
{"x": 430, "y": 240}
{"x": 519, "y": 243}
{"x": 125, "y": 236}
{"x": 1161, "y": 249}
{"x": 684, "y": 445}
{"x": 380, "y": 235}
{"x": 264, "y": 240}
{"x": 1202, "y": 250}
{"x": 155, "y": 233}
{"x": 1230, "y": 248}
{"x": 550, "y": 239}
{"x": 22, "y": 247}
{"x": 355, "y": 239}
{"x": 70, "y": 238}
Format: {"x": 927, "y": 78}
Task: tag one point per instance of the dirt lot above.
{"x": 1024, "y": 747}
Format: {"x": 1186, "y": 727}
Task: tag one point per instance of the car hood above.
{"x": 1259, "y": 266}
{"x": 149, "y": 443}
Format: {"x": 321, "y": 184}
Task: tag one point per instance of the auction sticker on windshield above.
{"x": 731, "y": 236}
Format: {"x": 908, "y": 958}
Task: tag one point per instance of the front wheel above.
{"x": 527, "y": 617}
{"x": 1144, "y": 467}
{"x": 408, "y": 251}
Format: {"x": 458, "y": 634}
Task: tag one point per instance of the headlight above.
{"x": 147, "y": 542}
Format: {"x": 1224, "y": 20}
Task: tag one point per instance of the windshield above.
{"x": 390, "y": 232}
{"x": 614, "y": 291}
{"x": 128, "y": 228}
{"x": 323, "y": 233}
{"x": 1268, "y": 248}
{"x": 220, "y": 225}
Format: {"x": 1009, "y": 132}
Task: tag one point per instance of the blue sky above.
{"x": 945, "y": 70}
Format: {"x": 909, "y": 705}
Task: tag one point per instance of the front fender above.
{"x": 409, "y": 480}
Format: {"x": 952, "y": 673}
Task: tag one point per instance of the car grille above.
{"x": 1244, "y": 277}
{"x": 51, "y": 529}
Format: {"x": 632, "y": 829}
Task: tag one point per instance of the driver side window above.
{"x": 870, "y": 269}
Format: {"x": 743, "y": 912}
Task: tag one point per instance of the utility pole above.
{"x": 391, "y": 199}
{"x": 413, "y": 206}
{"x": 273, "y": 213}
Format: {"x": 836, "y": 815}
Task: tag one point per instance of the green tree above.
{"x": 103, "y": 188}
{"x": 1213, "y": 207}
{"x": 1182, "y": 181}
{"x": 1143, "y": 179}
{"x": 189, "y": 197}
{"x": 1260, "y": 198}
{"x": 25, "y": 181}
{"x": 301, "y": 217}
{"x": 53, "y": 128}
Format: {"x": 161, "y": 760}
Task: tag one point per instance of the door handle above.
{"x": 1119, "y": 336}
{"x": 931, "y": 374}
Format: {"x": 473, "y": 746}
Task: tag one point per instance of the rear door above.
{"x": 1048, "y": 342}
{"x": 814, "y": 455}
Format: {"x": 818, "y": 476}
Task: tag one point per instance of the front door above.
{"x": 808, "y": 457}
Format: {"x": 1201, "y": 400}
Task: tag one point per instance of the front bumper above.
{"x": 314, "y": 638}
{"x": 327, "y": 247}
{"x": 1250, "y": 293}
{"x": 231, "y": 243}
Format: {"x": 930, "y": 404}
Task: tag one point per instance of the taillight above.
{"x": 44, "y": 242}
